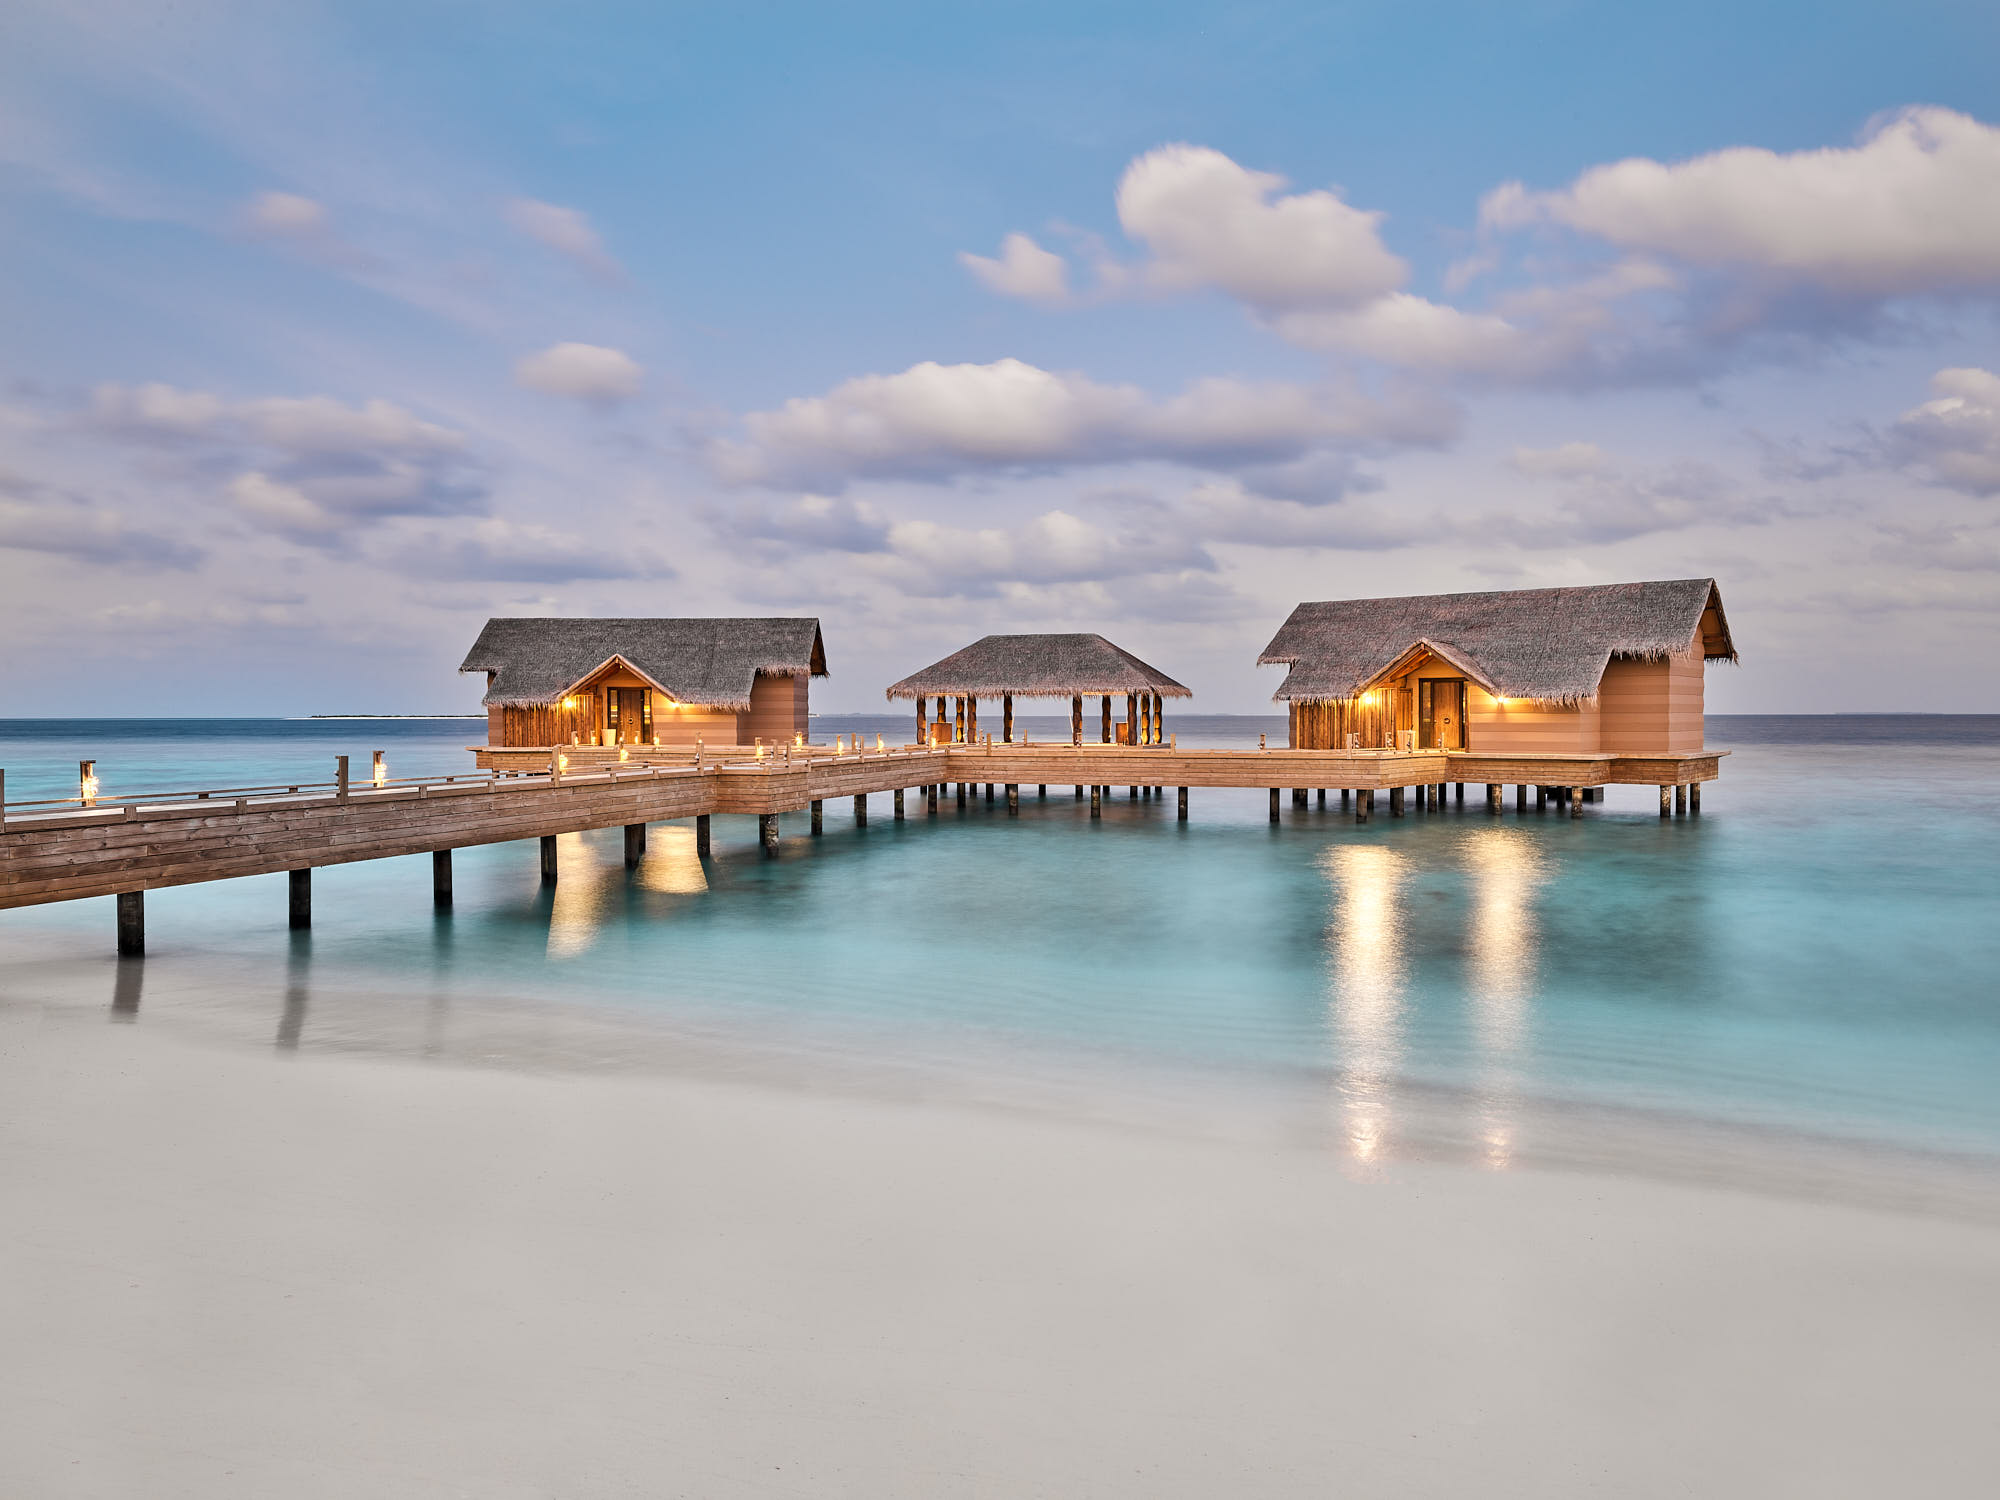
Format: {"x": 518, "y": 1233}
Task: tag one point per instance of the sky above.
{"x": 328, "y": 332}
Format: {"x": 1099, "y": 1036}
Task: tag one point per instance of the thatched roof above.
{"x": 1038, "y": 666}
{"x": 706, "y": 662}
{"x": 1550, "y": 644}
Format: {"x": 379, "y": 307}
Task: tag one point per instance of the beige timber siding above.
{"x": 1492, "y": 728}
{"x": 1652, "y": 707}
{"x": 777, "y": 710}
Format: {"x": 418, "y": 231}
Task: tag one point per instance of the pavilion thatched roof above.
{"x": 1038, "y": 666}
{"x": 536, "y": 661}
{"x": 1549, "y": 644}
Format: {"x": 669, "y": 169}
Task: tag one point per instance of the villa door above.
{"x": 1441, "y": 713}
{"x": 629, "y": 721}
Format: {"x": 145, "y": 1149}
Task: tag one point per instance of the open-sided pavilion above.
{"x": 1007, "y": 667}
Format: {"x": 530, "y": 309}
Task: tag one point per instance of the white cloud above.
{"x": 286, "y": 215}
{"x": 587, "y": 372}
{"x": 1914, "y": 208}
{"x": 299, "y": 425}
{"x": 565, "y": 230}
{"x": 1024, "y": 269}
{"x": 1212, "y": 223}
{"x": 510, "y": 551}
{"x": 1955, "y": 436}
{"x": 1054, "y": 547}
{"x": 66, "y": 527}
{"x": 1565, "y": 461}
{"x": 934, "y": 419}
{"x": 276, "y": 506}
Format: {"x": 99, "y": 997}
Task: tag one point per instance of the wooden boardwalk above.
{"x": 122, "y": 846}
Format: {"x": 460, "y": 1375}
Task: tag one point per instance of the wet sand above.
{"x": 232, "y": 1272}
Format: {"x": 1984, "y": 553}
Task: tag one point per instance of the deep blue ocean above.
{"x": 1818, "y": 953}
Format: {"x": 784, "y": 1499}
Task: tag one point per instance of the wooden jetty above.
{"x": 99, "y": 844}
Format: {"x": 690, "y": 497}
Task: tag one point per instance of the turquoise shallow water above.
{"x": 1816, "y": 953}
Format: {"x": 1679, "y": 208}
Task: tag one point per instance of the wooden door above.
{"x": 1448, "y": 714}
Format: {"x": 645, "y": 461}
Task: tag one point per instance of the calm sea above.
{"x": 1815, "y": 955}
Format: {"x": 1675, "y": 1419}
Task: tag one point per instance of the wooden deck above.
{"x": 55, "y": 852}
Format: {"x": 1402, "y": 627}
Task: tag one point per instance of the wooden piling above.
{"x": 1395, "y": 802}
{"x": 441, "y": 879}
{"x": 1666, "y": 801}
{"x": 931, "y": 799}
{"x": 1183, "y": 807}
{"x": 1576, "y": 802}
{"x": 1521, "y": 797}
{"x": 301, "y": 904}
{"x": 989, "y": 794}
{"x": 1364, "y": 803}
{"x": 767, "y": 834}
{"x": 1274, "y": 804}
{"x": 899, "y": 805}
{"x": 1013, "y": 800}
{"x": 1079, "y": 793}
{"x": 1299, "y": 797}
{"x": 1694, "y": 797}
{"x": 1042, "y": 792}
{"x": 1322, "y": 799}
{"x": 1541, "y": 799}
{"x": 1493, "y": 796}
{"x": 1096, "y": 802}
{"x": 961, "y": 794}
{"x": 548, "y": 859}
{"x": 1680, "y": 800}
{"x": 818, "y": 816}
{"x": 701, "y": 835}
{"x": 132, "y": 924}
{"x": 1459, "y": 793}
{"x": 635, "y": 844}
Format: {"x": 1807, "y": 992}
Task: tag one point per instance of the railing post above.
{"x": 340, "y": 776}
{"x": 3, "y": 800}
{"x": 86, "y": 782}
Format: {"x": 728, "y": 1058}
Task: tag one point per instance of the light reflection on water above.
{"x": 1365, "y": 981}
{"x": 1506, "y": 866}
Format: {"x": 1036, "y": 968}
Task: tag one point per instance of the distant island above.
{"x": 395, "y": 716}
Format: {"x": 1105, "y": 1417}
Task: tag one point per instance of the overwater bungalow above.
{"x": 1007, "y": 667}
{"x": 563, "y": 682}
{"x": 1607, "y": 668}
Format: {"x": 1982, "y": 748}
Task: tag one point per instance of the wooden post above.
{"x": 548, "y": 859}
{"x": 1680, "y": 799}
{"x": 635, "y": 844}
{"x": 1521, "y": 797}
{"x": 1106, "y": 719}
{"x": 1159, "y": 719}
{"x": 441, "y": 879}
{"x": 1460, "y": 797}
{"x": 989, "y": 794}
{"x": 1079, "y": 791}
{"x": 300, "y": 911}
{"x": 971, "y": 721}
{"x": 1541, "y": 799}
{"x": 958, "y": 735}
{"x": 819, "y": 815}
{"x": 1576, "y": 802}
{"x": 340, "y": 776}
{"x": 923, "y": 726}
{"x": 1694, "y": 797}
{"x": 1076, "y": 724}
{"x": 1042, "y": 792}
{"x": 1013, "y": 800}
{"x": 1096, "y": 802}
{"x": 1395, "y": 802}
{"x": 1343, "y": 799}
{"x": 861, "y": 809}
{"x": 1274, "y": 804}
{"x": 132, "y": 924}
{"x": 1666, "y": 801}
{"x": 1183, "y": 805}
{"x": 961, "y": 794}
{"x": 1364, "y": 804}
{"x": 377, "y": 772}
{"x": 1493, "y": 796}
{"x": 1322, "y": 799}
{"x": 1006, "y": 718}
{"x": 767, "y": 834}
{"x": 701, "y": 834}
{"x": 899, "y": 804}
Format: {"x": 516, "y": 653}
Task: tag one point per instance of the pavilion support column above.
{"x": 548, "y": 859}
{"x": 1694, "y": 798}
{"x": 1013, "y": 800}
{"x": 923, "y": 726}
{"x": 1183, "y": 805}
{"x": 1106, "y": 718}
{"x": 1076, "y": 725}
{"x": 767, "y": 834}
{"x": 1576, "y": 802}
{"x": 819, "y": 816}
{"x": 1007, "y": 719}
{"x": 132, "y": 924}
{"x": 1274, "y": 804}
{"x": 899, "y": 804}
{"x": 1666, "y": 801}
{"x": 635, "y": 844}
{"x": 971, "y": 721}
{"x": 861, "y": 809}
{"x": 1096, "y": 802}
{"x": 701, "y": 836}
{"x": 441, "y": 879}
{"x": 1680, "y": 800}
{"x": 300, "y": 912}
{"x": 958, "y": 734}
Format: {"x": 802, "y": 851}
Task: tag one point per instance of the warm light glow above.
{"x": 1502, "y": 702}
{"x": 1367, "y": 981}
{"x": 89, "y": 789}
{"x": 623, "y": 755}
{"x": 1507, "y": 870}
{"x": 760, "y": 749}
{"x": 562, "y": 762}
{"x": 878, "y": 744}
{"x": 798, "y": 742}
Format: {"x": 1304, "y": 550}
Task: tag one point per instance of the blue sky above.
{"x": 332, "y": 331}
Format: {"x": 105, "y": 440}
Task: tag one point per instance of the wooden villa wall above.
{"x": 1650, "y": 707}
{"x": 1527, "y": 726}
{"x": 778, "y": 710}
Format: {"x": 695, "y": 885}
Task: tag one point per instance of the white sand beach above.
{"x": 225, "y": 1272}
